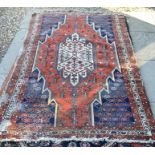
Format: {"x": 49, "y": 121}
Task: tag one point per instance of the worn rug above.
{"x": 76, "y": 83}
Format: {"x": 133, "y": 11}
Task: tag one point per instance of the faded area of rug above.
{"x": 76, "y": 83}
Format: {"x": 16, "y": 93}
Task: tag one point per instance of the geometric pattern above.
{"x": 76, "y": 81}
{"x": 34, "y": 108}
{"x": 119, "y": 104}
{"x": 74, "y": 57}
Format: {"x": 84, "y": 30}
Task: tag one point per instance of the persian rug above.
{"x": 76, "y": 83}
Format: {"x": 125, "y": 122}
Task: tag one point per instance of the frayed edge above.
{"x": 59, "y": 140}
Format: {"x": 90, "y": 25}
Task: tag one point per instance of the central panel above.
{"x": 75, "y": 62}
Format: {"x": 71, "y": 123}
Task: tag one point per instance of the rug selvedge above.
{"x": 58, "y": 92}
